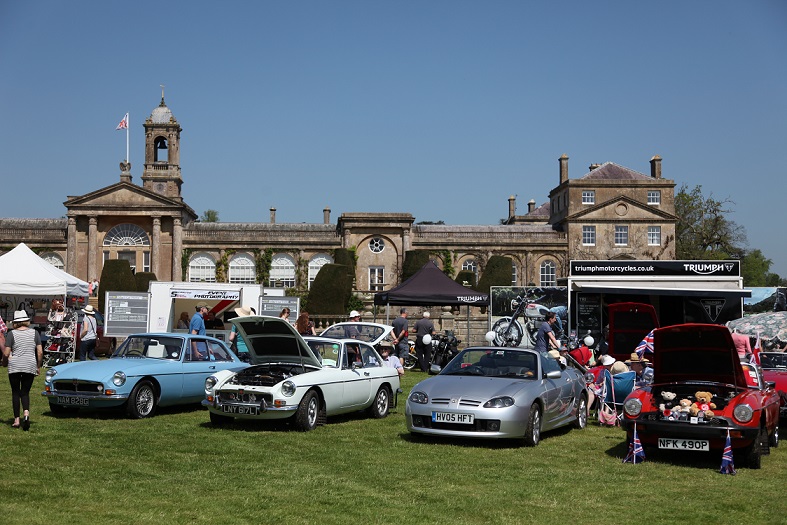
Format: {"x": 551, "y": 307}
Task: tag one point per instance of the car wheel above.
{"x": 753, "y": 454}
{"x": 582, "y": 413}
{"x": 217, "y": 420}
{"x": 382, "y": 403}
{"x": 308, "y": 411}
{"x": 533, "y": 431}
{"x": 410, "y": 362}
{"x": 773, "y": 439}
{"x": 142, "y": 401}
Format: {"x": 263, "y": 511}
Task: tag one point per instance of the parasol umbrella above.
{"x": 767, "y": 325}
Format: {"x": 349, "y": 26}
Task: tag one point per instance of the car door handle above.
{"x": 366, "y": 374}
{"x": 212, "y": 367}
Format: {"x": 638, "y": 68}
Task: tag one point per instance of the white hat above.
{"x": 354, "y": 313}
{"x": 244, "y": 311}
{"x": 426, "y": 314}
{"x": 607, "y": 360}
{"x": 19, "y": 316}
{"x": 89, "y": 310}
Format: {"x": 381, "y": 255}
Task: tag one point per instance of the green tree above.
{"x": 209, "y": 216}
{"x": 116, "y": 277}
{"x": 497, "y": 272}
{"x": 703, "y": 230}
{"x": 754, "y": 268}
{"x": 331, "y": 290}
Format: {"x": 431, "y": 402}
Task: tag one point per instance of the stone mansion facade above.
{"x": 611, "y": 212}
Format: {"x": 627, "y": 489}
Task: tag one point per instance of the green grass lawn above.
{"x": 99, "y": 467}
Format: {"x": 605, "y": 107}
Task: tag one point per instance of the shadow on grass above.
{"x": 118, "y": 412}
{"x": 677, "y": 458}
{"x": 285, "y": 425}
{"x": 482, "y": 442}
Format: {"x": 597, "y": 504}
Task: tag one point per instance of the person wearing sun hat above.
{"x": 24, "y": 353}
{"x": 87, "y": 348}
{"x": 236, "y": 341}
{"x": 637, "y": 365}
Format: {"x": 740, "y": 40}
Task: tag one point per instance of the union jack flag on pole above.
{"x": 645, "y": 346}
{"x": 123, "y": 123}
{"x": 727, "y": 466}
{"x": 635, "y": 449}
{"x": 755, "y": 354}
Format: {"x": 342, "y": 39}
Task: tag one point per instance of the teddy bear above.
{"x": 681, "y": 410}
{"x": 702, "y": 404}
{"x": 668, "y": 401}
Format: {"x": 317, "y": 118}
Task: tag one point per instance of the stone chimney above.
{"x": 273, "y": 215}
{"x": 531, "y": 206}
{"x": 563, "y": 168}
{"x": 326, "y": 215}
{"x": 511, "y": 206}
{"x": 655, "y": 167}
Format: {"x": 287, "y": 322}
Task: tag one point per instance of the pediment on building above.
{"x": 621, "y": 208}
{"x": 125, "y": 195}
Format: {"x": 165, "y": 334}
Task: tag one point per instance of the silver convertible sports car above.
{"x": 498, "y": 393}
{"x": 306, "y": 380}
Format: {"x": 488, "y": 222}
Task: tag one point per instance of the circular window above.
{"x": 377, "y": 245}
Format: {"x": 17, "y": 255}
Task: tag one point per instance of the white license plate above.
{"x": 241, "y": 410}
{"x": 684, "y": 444}
{"x": 69, "y": 400}
{"x": 452, "y": 417}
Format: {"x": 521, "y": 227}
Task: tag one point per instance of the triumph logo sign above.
{"x": 471, "y": 298}
{"x": 713, "y": 307}
{"x": 708, "y": 268}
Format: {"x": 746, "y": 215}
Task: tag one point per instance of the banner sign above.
{"x": 651, "y": 268}
{"x": 126, "y": 313}
{"x": 207, "y": 295}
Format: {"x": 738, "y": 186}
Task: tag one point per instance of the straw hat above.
{"x": 636, "y": 359}
{"x": 244, "y": 312}
{"x": 20, "y": 316}
{"x": 89, "y": 310}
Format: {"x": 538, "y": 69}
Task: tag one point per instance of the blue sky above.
{"x": 437, "y": 108}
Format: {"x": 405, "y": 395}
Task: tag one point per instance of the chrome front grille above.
{"x": 78, "y": 387}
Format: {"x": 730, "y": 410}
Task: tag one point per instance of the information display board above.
{"x": 273, "y": 306}
{"x": 125, "y": 313}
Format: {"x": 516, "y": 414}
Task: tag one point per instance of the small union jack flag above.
{"x": 755, "y": 354}
{"x": 636, "y": 452}
{"x": 727, "y": 466}
{"x": 645, "y": 346}
{"x": 123, "y": 123}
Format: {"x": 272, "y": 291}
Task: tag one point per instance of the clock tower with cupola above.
{"x": 162, "y": 152}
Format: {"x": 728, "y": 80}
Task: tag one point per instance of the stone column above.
{"x": 177, "y": 248}
{"x": 154, "y": 246}
{"x": 92, "y": 239}
{"x": 71, "y": 250}
{"x": 405, "y": 241}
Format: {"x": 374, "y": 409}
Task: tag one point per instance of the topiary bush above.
{"x": 466, "y": 275}
{"x": 115, "y": 277}
{"x": 331, "y": 290}
{"x": 143, "y": 280}
{"x": 497, "y": 272}
{"x": 413, "y": 261}
{"x": 344, "y": 257}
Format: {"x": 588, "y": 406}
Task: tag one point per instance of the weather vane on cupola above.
{"x": 162, "y": 94}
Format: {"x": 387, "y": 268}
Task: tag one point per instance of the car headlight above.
{"x": 499, "y": 402}
{"x": 119, "y": 379}
{"x": 288, "y": 388}
{"x": 632, "y": 406}
{"x": 743, "y": 413}
{"x": 419, "y": 397}
{"x": 210, "y": 383}
{"x": 50, "y": 374}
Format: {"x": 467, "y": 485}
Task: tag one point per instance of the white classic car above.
{"x": 306, "y": 379}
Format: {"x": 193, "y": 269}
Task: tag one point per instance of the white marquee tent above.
{"x": 22, "y": 272}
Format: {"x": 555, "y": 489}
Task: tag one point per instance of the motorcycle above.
{"x": 508, "y": 331}
{"x": 444, "y": 348}
{"x": 410, "y": 360}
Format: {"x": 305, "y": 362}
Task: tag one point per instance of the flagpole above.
{"x": 127, "y": 159}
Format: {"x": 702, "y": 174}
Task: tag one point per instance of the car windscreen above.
{"x": 150, "y": 346}
{"x": 494, "y": 363}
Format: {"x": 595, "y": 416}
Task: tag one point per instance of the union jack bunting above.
{"x": 123, "y": 123}
{"x": 727, "y": 466}
{"x": 645, "y": 346}
{"x": 636, "y": 452}
{"x": 755, "y": 354}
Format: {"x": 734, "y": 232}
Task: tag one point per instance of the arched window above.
{"x": 242, "y": 269}
{"x": 126, "y": 235}
{"x": 317, "y": 262}
{"x": 53, "y": 259}
{"x": 470, "y": 265}
{"x": 202, "y": 268}
{"x": 282, "y": 271}
{"x": 548, "y": 273}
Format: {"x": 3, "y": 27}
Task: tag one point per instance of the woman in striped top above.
{"x": 24, "y": 353}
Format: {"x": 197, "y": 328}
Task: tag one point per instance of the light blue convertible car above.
{"x": 146, "y": 371}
